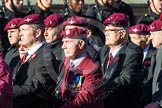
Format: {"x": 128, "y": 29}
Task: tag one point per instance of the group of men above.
{"x": 81, "y": 60}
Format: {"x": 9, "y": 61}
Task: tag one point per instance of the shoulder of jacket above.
{"x": 134, "y": 48}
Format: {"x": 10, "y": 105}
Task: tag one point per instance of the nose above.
{"x": 9, "y": 34}
{"x": 21, "y": 1}
{"x": 80, "y": 2}
{"x": 45, "y": 33}
{"x": 20, "y": 34}
{"x": 63, "y": 45}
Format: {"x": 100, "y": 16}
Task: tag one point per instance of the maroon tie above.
{"x": 110, "y": 59}
{"x": 24, "y": 58}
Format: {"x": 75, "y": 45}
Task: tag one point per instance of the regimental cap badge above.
{"x": 71, "y": 22}
{"x": 12, "y": 26}
{"x": 135, "y": 30}
{"x": 27, "y": 19}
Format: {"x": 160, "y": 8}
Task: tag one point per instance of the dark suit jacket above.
{"x": 147, "y": 75}
{"x": 12, "y": 57}
{"x": 157, "y": 78}
{"x": 29, "y": 82}
{"x": 123, "y": 87}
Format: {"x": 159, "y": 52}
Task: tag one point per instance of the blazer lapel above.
{"x": 153, "y": 63}
{"x": 116, "y": 63}
{"x": 105, "y": 60}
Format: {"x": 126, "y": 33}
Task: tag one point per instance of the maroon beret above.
{"x": 117, "y": 19}
{"x": 53, "y": 20}
{"x": 76, "y": 21}
{"x": 139, "y": 29}
{"x": 31, "y": 19}
{"x": 155, "y": 25}
{"x": 74, "y": 33}
{"x": 13, "y": 24}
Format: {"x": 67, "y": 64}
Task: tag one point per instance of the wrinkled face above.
{"x": 76, "y": 5}
{"x": 156, "y": 38}
{"x": 47, "y": 3}
{"x": 18, "y": 4}
{"x": 114, "y": 35}
{"x": 27, "y": 34}
{"x": 13, "y": 36}
{"x": 156, "y": 6}
{"x": 51, "y": 34}
{"x": 70, "y": 47}
{"x": 138, "y": 40}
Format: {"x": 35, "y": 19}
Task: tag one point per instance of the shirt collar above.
{"x": 114, "y": 53}
{"x": 77, "y": 61}
{"x": 35, "y": 48}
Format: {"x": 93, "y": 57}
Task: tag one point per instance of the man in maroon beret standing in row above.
{"x": 156, "y": 64}
{"x": 121, "y": 64}
{"x": 81, "y": 72}
{"x": 12, "y": 55}
{"x": 140, "y": 35}
{"x": 52, "y": 36}
{"x": 31, "y": 73}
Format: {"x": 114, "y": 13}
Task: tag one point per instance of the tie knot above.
{"x": 110, "y": 58}
{"x": 72, "y": 65}
{"x": 24, "y": 58}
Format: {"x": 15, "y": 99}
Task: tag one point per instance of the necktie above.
{"x": 110, "y": 59}
{"x": 72, "y": 65}
{"x": 24, "y": 58}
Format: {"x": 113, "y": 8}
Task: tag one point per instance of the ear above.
{"x": 81, "y": 44}
{"x": 68, "y": 2}
{"x": 148, "y": 39}
{"x": 123, "y": 33}
{"x": 6, "y": 1}
{"x": 38, "y": 33}
{"x": 89, "y": 33}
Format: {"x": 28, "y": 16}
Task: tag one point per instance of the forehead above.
{"x": 17, "y": 0}
{"x": 25, "y": 26}
{"x": 12, "y": 30}
{"x": 76, "y": 0}
{"x": 72, "y": 26}
{"x": 67, "y": 39}
{"x": 135, "y": 35}
{"x": 109, "y": 26}
{"x": 156, "y": 32}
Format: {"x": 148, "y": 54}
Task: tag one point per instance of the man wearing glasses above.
{"x": 121, "y": 64}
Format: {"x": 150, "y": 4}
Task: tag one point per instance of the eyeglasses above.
{"x": 112, "y": 30}
{"x": 19, "y": 46}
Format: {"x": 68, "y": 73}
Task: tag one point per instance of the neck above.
{"x": 8, "y": 6}
{"x": 113, "y": 48}
{"x": 41, "y": 6}
{"x": 77, "y": 55}
{"x": 33, "y": 45}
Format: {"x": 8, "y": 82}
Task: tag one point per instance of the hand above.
{"x": 152, "y": 105}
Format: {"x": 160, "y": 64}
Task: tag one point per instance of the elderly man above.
{"x": 52, "y": 35}
{"x": 12, "y": 56}
{"x": 140, "y": 35}
{"x": 81, "y": 72}
{"x": 156, "y": 61}
{"x": 31, "y": 76}
{"x": 121, "y": 64}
